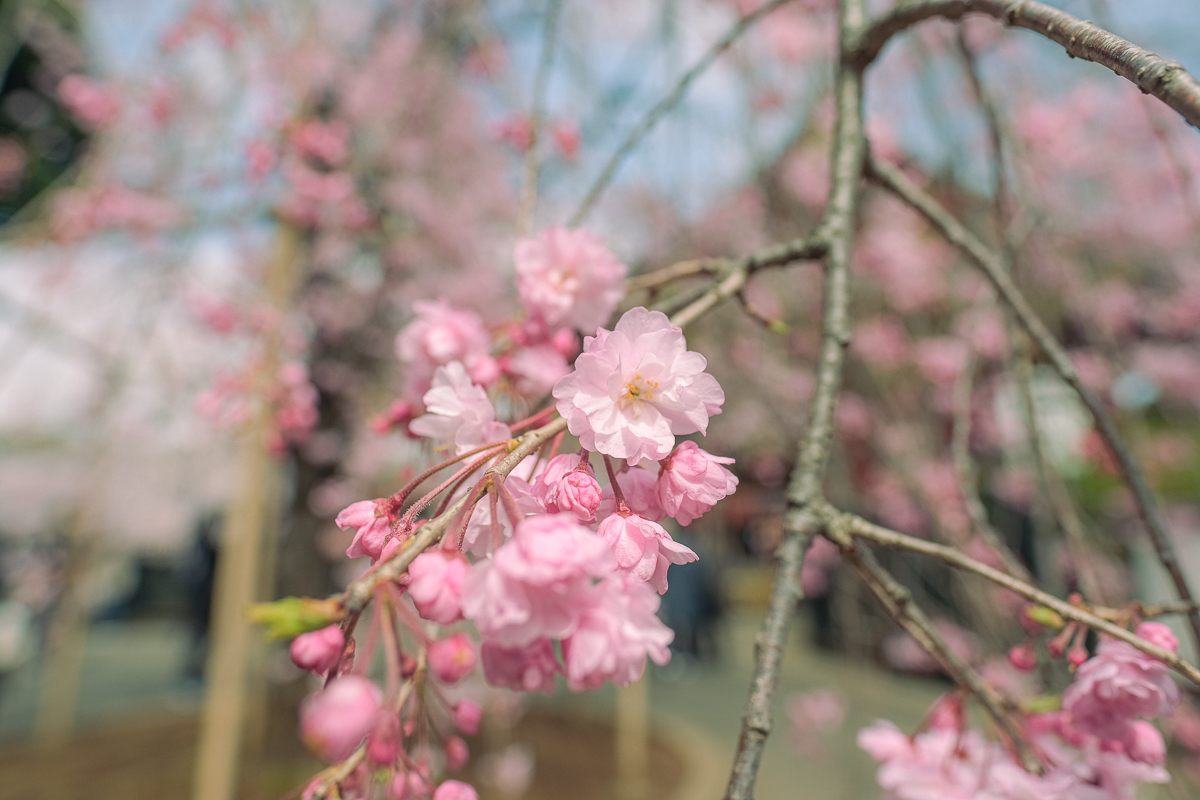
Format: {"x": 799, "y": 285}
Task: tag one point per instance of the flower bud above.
{"x": 335, "y": 720}
{"x": 1158, "y": 634}
{"x": 452, "y": 659}
{"x": 383, "y": 745}
{"x": 467, "y": 716}
{"x": 457, "y": 754}
{"x": 319, "y": 651}
{"x": 1022, "y": 657}
{"x": 1144, "y": 743}
{"x": 455, "y": 790}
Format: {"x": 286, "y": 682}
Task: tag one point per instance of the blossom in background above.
{"x": 568, "y": 278}
{"x": 636, "y": 387}
{"x": 441, "y": 334}
{"x": 335, "y": 720}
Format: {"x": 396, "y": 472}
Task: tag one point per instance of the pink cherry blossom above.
{"x": 535, "y": 370}
{"x": 437, "y": 585}
{"x": 467, "y": 714}
{"x": 527, "y": 668}
{"x": 637, "y": 387}
{"x": 441, "y": 334}
{"x": 643, "y": 548}
{"x": 335, "y": 720}
{"x": 459, "y": 412}
{"x": 616, "y": 635}
{"x": 478, "y": 538}
{"x": 371, "y": 526}
{"x": 564, "y": 488}
{"x": 457, "y": 755}
{"x": 538, "y": 583}
{"x": 1115, "y": 687}
{"x": 320, "y": 650}
{"x": 692, "y": 481}
{"x": 453, "y": 658}
{"x": 328, "y": 142}
{"x": 455, "y": 790}
{"x": 568, "y": 278}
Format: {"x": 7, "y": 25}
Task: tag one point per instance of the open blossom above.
{"x": 528, "y": 668}
{"x": 692, "y": 481}
{"x": 1117, "y": 686}
{"x": 536, "y": 584}
{"x": 643, "y": 548}
{"x": 437, "y": 584}
{"x": 566, "y": 489}
{"x": 636, "y": 387}
{"x": 334, "y": 721}
{"x": 320, "y": 650}
{"x": 441, "y": 334}
{"x": 371, "y": 526}
{"x": 568, "y": 278}
{"x": 615, "y": 635}
{"x": 459, "y": 412}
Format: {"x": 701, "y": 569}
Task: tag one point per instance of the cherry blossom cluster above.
{"x": 1098, "y": 746}
{"x": 557, "y": 567}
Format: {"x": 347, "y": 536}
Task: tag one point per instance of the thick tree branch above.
{"x": 862, "y": 529}
{"x": 1165, "y": 79}
{"x": 836, "y": 231}
{"x": 992, "y": 264}
{"x": 898, "y": 603}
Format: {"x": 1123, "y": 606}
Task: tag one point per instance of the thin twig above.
{"x": 898, "y": 602}
{"x": 861, "y": 528}
{"x": 834, "y": 238}
{"x": 672, "y": 98}
{"x": 529, "y": 176}
{"x": 992, "y": 264}
{"x": 1165, "y": 79}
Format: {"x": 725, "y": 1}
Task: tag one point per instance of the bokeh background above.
{"x": 156, "y": 159}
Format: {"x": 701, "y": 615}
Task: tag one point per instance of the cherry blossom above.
{"x": 568, "y": 278}
{"x": 643, "y": 548}
{"x": 615, "y": 636}
{"x": 441, "y": 334}
{"x": 568, "y": 486}
{"x": 459, "y": 412}
{"x": 636, "y": 387}
{"x": 693, "y": 481}
{"x": 335, "y": 720}
{"x": 371, "y": 526}
{"x": 318, "y": 651}
{"x": 437, "y": 584}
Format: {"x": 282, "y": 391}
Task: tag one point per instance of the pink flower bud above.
{"x": 1022, "y": 657}
{"x": 320, "y": 650}
{"x": 1078, "y": 654}
{"x": 452, "y": 659}
{"x": 418, "y": 785}
{"x": 371, "y": 526}
{"x": 457, "y": 753}
{"x": 578, "y": 494}
{"x": 335, "y": 720}
{"x": 408, "y": 666}
{"x": 383, "y": 745}
{"x": 1158, "y": 634}
{"x": 437, "y": 585}
{"x": 398, "y": 788}
{"x": 1144, "y": 743}
{"x": 455, "y": 790}
{"x": 467, "y": 716}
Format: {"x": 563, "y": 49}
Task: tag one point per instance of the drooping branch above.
{"x": 898, "y": 602}
{"x": 860, "y": 528}
{"x": 836, "y": 232}
{"x": 893, "y": 179}
{"x": 660, "y": 109}
{"x": 1163, "y": 78}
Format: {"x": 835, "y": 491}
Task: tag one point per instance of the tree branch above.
{"x": 836, "y": 232}
{"x": 992, "y": 264}
{"x": 1167, "y": 80}
{"x": 860, "y": 528}
{"x": 898, "y": 603}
